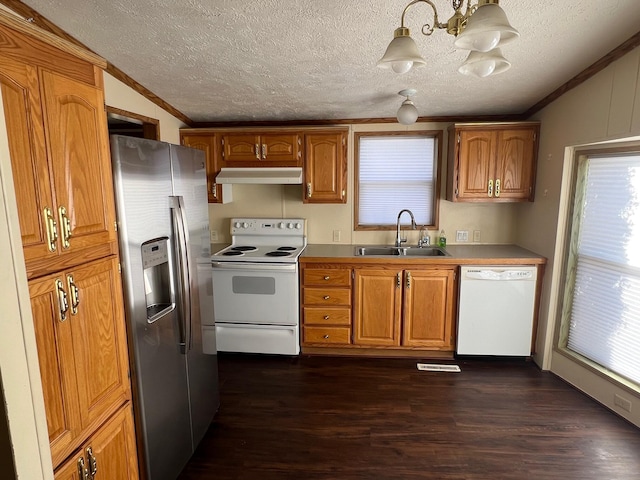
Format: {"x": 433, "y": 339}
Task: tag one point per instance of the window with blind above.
{"x": 604, "y": 265}
{"x": 396, "y": 171}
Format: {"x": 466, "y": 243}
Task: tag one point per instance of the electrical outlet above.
{"x": 214, "y": 236}
{"x": 622, "y": 402}
{"x": 336, "y": 235}
{"x": 462, "y": 236}
{"x": 476, "y": 236}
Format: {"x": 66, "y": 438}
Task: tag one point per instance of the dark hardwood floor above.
{"x": 382, "y": 419}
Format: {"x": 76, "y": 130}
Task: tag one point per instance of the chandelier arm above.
{"x": 427, "y": 29}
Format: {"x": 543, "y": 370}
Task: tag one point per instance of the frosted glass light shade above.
{"x": 486, "y": 29}
{"x": 407, "y": 113}
{"x": 483, "y": 64}
{"x": 402, "y": 54}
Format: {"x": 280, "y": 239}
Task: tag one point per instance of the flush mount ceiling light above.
{"x": 407, "y": 113}
{"x": 481, "y": 28}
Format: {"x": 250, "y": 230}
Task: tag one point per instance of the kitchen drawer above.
{"x": 326, "y": 335}
{"x": 327, "y": 276}
{"x": 327, "y": 296}
{"x": 327, "y": 315}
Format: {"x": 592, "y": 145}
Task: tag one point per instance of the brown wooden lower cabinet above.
{"x": 326, "y": 309}
{"x": 385, "y": 307}
{"x": 110, "y": 453}
{"x": 404, "y": 308}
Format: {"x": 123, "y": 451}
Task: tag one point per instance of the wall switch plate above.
{"x": 336, "y": 235}
{"x": 214, "y": 236}
{"x": 462, "y": 236}
{"x": 476, "y": 236}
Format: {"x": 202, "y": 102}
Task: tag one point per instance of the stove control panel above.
{"x": 267, "y": 226}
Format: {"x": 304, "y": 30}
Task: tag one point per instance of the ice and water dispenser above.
{"x": 158, "y": 288}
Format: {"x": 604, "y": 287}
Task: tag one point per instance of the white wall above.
{"x": 495, "y": 222}
{"x": 119, "y": 95}
{"x": 604, "y": 108}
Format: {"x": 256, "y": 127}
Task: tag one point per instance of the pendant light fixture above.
{"x": 407, "y": 113}
{"x": 481, "y": 28}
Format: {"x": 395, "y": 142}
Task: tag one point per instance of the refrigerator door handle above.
{"x": 182, "y": 249}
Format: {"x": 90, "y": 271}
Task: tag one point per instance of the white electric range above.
{"x": 255, "y": 286}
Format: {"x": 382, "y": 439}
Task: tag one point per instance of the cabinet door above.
{"x": 325, "y": 168}
{"x": 25, "y": 132}
{"x": 110, "y": 453}
{"x": 112, "y": 450}
{"x": 476, "y": 152}
{"x": 240, "y": 148}
{"x": 207, "y": 143}
{"x": 52, "y": 327}
{"x": 75, "y": 124}
{"x": 377, "y": 303}
{"x": 428, "y": 309}
{"x": 515, "y": 164}
{"x": 73, "y": 469}
{"x": 281, "y": 149}
{"x": 99, "y": 339}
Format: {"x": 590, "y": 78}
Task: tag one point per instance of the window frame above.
{"x": 570, "y": 260}
{"x": 437, "y": 135}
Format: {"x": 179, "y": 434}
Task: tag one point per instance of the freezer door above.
{"x": 190, "y": 184}
{"x": 142, "y": 177}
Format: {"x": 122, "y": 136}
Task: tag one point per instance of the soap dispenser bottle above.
{"x": 442, "y": 239}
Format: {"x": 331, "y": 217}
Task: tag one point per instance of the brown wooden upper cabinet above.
{"x": 492, "y": 162}
{"x": 256, "y": 149}
{"x": 208, "y": 144}
{"x": 325, "y": 167}
{"x": 57, "y": 134}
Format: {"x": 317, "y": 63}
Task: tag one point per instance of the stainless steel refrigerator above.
{"x": 163, "y": 229}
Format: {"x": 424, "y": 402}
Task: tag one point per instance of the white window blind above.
{"x": 396, "y": 172}
{"x": 605, "y": 314}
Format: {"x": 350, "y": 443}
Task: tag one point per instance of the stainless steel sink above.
{"x": 401, "y": 251}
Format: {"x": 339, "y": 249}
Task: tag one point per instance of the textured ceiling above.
{"x": 241, "y": 60}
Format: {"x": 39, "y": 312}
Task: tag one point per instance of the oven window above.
{"x": 253, "y": 285}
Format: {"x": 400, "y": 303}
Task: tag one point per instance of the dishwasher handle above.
{"x": 499, "y": 275}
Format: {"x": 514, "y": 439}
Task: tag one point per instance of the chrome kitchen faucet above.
{"x": 400, "y": 241}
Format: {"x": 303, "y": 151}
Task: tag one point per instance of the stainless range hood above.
{"x": 260, "y": 175}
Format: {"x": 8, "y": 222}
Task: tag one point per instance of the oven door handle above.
{"x": 262, "y": 267}
{"x": 182, "y": 247}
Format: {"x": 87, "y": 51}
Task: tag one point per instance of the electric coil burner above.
{"x": 255, "y": 286}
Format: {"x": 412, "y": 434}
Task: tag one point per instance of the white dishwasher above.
{"x": 496, "y": 307}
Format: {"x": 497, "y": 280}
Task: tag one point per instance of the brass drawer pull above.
{"x": 326, "y": 297}
{"x": 83, "y": 473}
{"x": 93, "y": 463}
{"x": 52, "y": 229}
{"x": 75, "y": 295}
{"x": 326, "y": 336}
{"x": 63, "y": 303}
{"x": 326, "y": 317}
{"x": 327, "y": 277}
{"x": 65, "y": 225}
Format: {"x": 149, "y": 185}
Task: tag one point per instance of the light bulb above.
{"x": 485, "y": 41}
{"x": 483, "y": 64}
{"x": 402, "y": 66}
{"x": 407, "y": 113}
